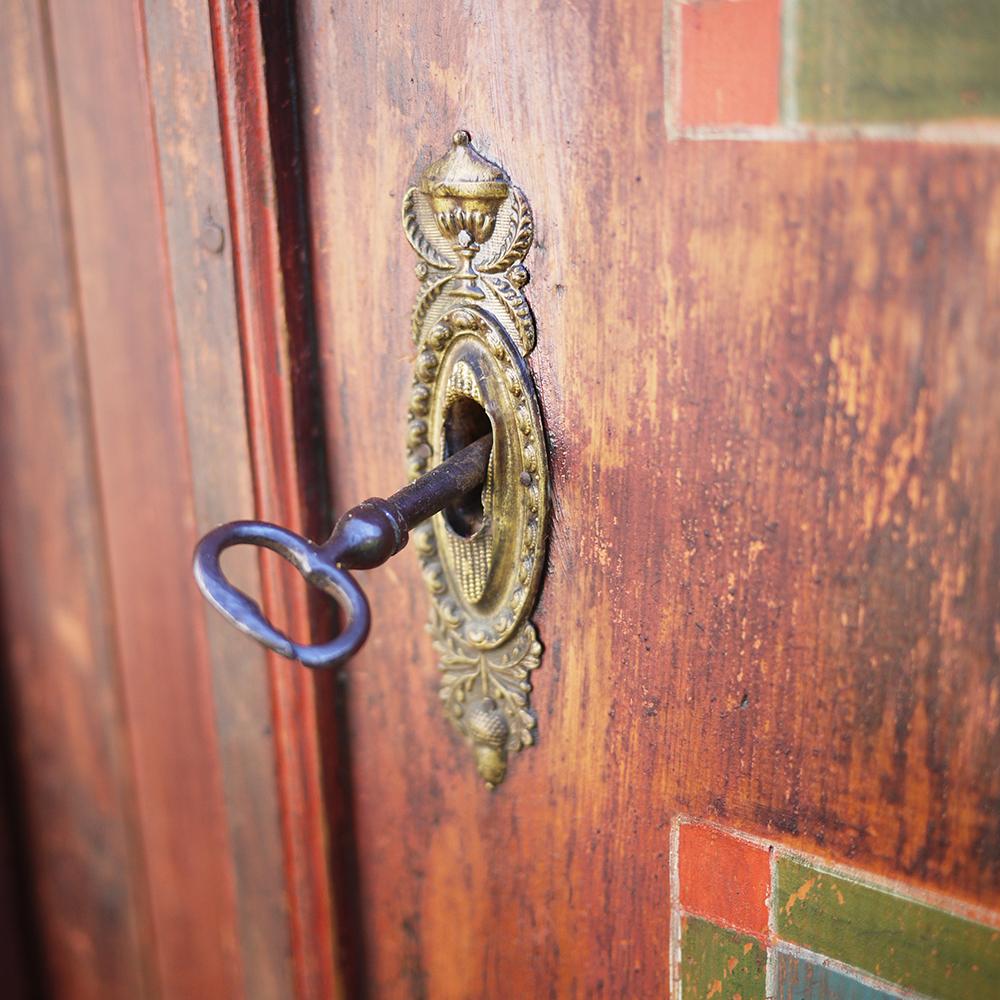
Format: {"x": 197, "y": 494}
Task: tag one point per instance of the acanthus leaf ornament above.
{"x": 471, "y": 229}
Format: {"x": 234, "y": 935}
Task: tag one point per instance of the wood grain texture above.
{"x": 253, "y": 47}
{"x": 769, "y": 377}
{"x": 123, "y": 322}
{"x": 179, "y": 44}
{"x": 146, "y": 492}
{"x": 67, "y": 720}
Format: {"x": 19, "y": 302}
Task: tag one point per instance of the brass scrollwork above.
{"x": 471, "y": 229}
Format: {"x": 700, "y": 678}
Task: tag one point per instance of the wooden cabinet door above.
{"x": 767, "y": 356}
{"x": 767, "y": 235}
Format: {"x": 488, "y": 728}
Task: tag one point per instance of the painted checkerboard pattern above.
{"x": 793, "y": 69}
{"x": 753, "y": 919}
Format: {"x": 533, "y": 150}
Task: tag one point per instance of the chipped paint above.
{"x": 718, "y": 962}
{"x": 799, "y": 895}
{"x": 897, "y": 939}
{"x": 800, "y": 977}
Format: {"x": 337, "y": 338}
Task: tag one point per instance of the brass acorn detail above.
{"x": 487, "y": 723}
{"x": 489, "y": 731}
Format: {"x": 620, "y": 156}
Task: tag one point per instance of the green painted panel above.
{"x": 896, "y": 939}
{"x": 897, "y": 61}
{"x": 720, "y": 964}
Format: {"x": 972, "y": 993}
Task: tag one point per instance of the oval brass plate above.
{"x": 491, "y": 574}
{"x": 472, "y": 228}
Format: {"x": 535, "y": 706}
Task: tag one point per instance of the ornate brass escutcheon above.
{"x": 477, "y": 502}
{"x": 472, "y": 228}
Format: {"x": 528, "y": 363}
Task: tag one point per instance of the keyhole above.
{"x": 465, "y": 422}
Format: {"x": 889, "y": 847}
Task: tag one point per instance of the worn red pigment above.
{"x": 730, "y": 57}
{"x": 724, "y": 879}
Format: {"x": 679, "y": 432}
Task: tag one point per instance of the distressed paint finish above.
{"x": 798, "y": 978}
{"x": 203, "y": 293}
{"x": 724, "y": 878}
{"x": 828, "y": 911}
{"x": 896, "y": 939}
{"x": 719, "y": 964}
{"x": 769, "y": 376}
{"x": 897, "y": 60}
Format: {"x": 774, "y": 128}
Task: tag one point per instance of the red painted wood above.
{"x": 729, "y": 62}
{"x": 724, "y": 878}
{"x": 110, "y": 362}
{"x": 202, "y": 290}
{"x": 768, "y": 373}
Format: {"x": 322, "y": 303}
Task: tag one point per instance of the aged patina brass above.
{"x": 471, "y": 229}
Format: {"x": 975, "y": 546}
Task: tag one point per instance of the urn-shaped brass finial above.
{"x": 466, "y": 191}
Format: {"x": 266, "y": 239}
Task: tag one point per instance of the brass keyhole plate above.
{"x": 471, "y": 229}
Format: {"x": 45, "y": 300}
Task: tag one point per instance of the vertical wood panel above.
{"x": 145, "y": 483}
{"x": 55, "y": 606}
{"x": 179, "y": 43}
{"x": 279, "y": 363}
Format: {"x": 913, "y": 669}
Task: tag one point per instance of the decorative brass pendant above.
{"x": 471, "y": 229}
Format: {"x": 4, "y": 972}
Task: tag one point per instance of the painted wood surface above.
{"x": 204, "y": 299}
{"x": 184, "y": 850}
{"x": 799, "y": 978}
{"x": 255, "y": 67}
{"x": 769, "y": 378}
{"x": 789, "y": 70}
{"x": 903, "y": 941}
{"x": 895, "y": 60}
{"x": 720, "y": 963}
{"x": 768, "y": 373}
{"x": 115, "y": 204}
{"x": 724, "y": 878}
{"x": 830, "y": 931}
{"x": 729, "y": 61}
